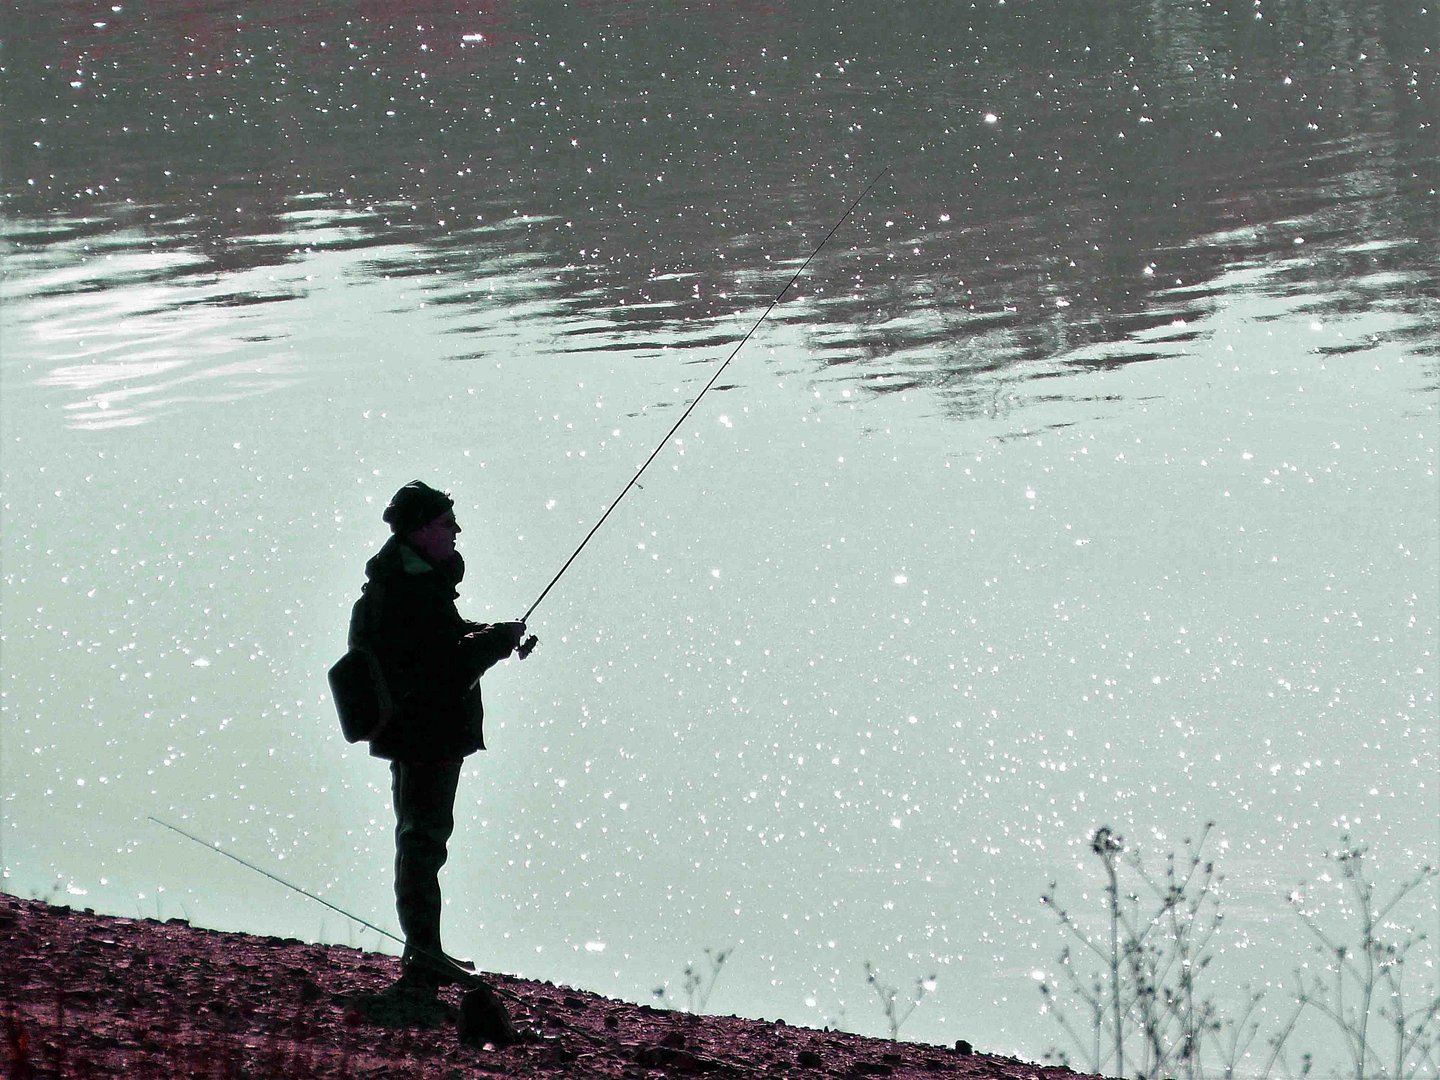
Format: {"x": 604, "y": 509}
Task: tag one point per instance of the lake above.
{"x": 1087, "y": 476}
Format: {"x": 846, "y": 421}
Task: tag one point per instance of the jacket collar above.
{"x": 397, "y": 558}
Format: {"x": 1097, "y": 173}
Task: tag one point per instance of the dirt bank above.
{"x": 87, "y": 995}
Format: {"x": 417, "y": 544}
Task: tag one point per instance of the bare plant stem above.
{"x": 889, "y": 998}
{"x": 1377, "y": 981}
{"x": 1149, "y": 1015}
{"x": 1116, "y": 1015}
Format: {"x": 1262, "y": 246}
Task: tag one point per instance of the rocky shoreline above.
{"x": 87, "y": 995}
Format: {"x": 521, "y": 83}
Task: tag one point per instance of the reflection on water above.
{"x": 1067, "y": 180}
{"x": 1088, "y": 475}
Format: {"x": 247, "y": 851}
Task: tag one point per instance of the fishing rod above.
{"x": 308, "y": 895}
{"x": 525, "y": 649}
{"x": 471, "y": 984}
{"x": 278, "y": 880}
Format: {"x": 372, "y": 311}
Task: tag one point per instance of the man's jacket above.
{"x": 432, "y": 659}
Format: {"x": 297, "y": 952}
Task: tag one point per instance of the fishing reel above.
{"x": 526, "y": 647}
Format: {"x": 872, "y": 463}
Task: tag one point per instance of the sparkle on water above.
{"x": 1087, "y": 476}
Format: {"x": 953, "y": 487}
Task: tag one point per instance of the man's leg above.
{"x": 424, "y": 794}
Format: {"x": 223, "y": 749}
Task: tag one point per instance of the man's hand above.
{"x": 494, "y": 641}
{"x": 513, "y": 633}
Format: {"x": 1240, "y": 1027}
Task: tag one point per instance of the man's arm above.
{"x": 485, "y": 644}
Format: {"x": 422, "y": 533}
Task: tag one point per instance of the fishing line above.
{"x": 278, "y": 880}
{"x": 500, "y": 990}
{"x": 691, "y": 408}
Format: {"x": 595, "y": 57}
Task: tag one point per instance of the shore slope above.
{"x": 87, "y": 995}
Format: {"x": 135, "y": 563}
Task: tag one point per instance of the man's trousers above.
{"x": 424, "y": 794}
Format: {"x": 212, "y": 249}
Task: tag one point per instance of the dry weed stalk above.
{"x": 1147, "y": 1012}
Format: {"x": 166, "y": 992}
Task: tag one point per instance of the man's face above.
{"x": 436, "y": 539}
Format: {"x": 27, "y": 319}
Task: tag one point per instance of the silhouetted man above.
{"x": 432, "y": 660}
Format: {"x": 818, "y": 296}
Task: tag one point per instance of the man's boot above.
{"x": 432, "y": 967}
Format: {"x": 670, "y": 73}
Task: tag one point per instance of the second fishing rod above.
{"x": 529, "y": 644}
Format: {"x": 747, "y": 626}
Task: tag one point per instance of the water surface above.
{"x": 1087, "y": 476}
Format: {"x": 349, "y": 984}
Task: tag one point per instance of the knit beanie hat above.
{"x": 414, "y": 505}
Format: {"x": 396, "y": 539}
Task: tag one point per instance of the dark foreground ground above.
{"x": 84, "y": 995}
